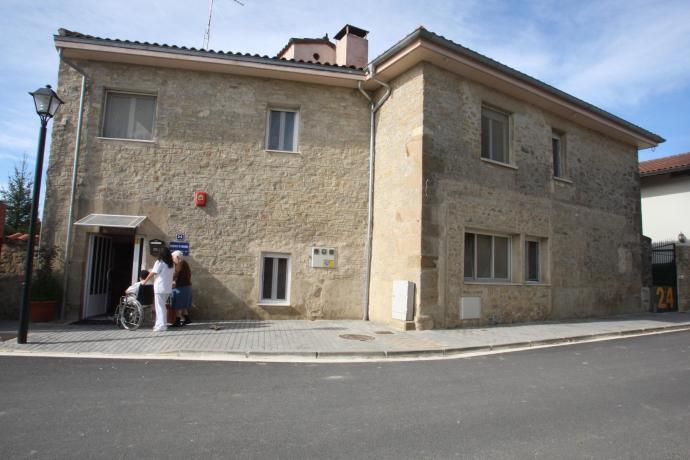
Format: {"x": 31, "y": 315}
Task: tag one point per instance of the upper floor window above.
{"x": 495, "y": 135}
{"x": 282, "y": 130}
{"x": 487, "y": 257}
{"x": 129, "y": 116}
{"x": 557, "y": 152}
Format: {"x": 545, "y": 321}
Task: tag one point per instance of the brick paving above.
{"x": 313, "y": 340}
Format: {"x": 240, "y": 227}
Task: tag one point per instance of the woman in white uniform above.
{"x": 162, "y": 274}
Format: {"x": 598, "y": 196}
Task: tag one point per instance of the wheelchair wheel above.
{"x": 132, "y": 315}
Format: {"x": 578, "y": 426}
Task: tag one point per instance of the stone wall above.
{"x": 396, "y": 250}
{"x": 210, "y": 136}
{"x": 12, "y": 258}
{"x": 588, "y": 224}
{"x": 683, "y": 270}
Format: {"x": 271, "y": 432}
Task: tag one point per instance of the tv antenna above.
{"x": 207, "y": 34}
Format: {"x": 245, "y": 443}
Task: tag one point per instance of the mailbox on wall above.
{"x": 200, "y": 198}
{"x": 155, "y": 247}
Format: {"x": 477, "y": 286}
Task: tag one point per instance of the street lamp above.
{"x": 47, "y": 104}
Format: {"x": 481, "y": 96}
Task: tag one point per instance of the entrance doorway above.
{"x": 108, "y": 273}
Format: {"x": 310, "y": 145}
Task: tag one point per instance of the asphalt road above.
{"x": 617, "y": 399}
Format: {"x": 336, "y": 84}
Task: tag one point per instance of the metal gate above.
{"x": 664, "y": 276}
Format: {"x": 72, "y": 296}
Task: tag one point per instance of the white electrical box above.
{"x": 323, "y": 257}
{"x": 403, "y": 300}
{"x": 470, "y": 307}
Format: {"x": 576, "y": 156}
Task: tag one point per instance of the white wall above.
{"x": 665, "y": 206}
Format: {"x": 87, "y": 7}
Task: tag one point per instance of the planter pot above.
{"x": 42, "y": 311}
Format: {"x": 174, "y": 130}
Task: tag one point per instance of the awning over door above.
{"x": 111, "y": 220}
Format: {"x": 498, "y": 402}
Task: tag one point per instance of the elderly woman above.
{"x": 182, "y": 290}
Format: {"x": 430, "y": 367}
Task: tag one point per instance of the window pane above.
{"x": 486, "y": 136}
{"x": 274, "y": 130}
{"x": 143, "y": 118}
{"x": 469, "y": 255}
{"x": 556, "y": 147}
{"x": 289, "y": 132}
{"x": 117, "y": 116}
{"x": 498, "y": 141}
{"x": 268, "y": 278}
{"x": 282, "y": 279}
{"x": 501, "y": 257}
{"x": 532, "y": 251}
{"x": 483, "y": 256}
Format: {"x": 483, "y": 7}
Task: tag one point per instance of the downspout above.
{"x": 70, "y": 211}
{"x": 374, "y": 107}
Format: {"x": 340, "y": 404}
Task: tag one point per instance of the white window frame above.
{"x": 274, "y": 281}
{"x": 560, "y": 174}
{"x": 131, "y": 114}
{"x": 281, "y": 134}
{"x": 540, "y": 277}
{"x": 509, "y": 261}
{"x": 504, "y": 118}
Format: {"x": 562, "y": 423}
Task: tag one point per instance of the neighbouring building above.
{"x": 665, "y": 192}
{"x": 496, "y": 197}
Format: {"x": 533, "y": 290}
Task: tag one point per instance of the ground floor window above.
{"x": 275, "y": 278}
{"x": 487, "y": 257}
{"x": 532, "y": 265}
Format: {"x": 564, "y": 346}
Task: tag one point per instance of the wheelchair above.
{"x": 129, "y": 313}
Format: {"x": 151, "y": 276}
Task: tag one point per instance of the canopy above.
{"x": 111, "y": 220}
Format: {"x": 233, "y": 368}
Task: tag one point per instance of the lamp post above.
{"x": 47, "y": 104}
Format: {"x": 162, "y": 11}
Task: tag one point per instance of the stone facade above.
{"x": 210, "y": 135}
{"x": 432, "y": 186}
{"x": 587, "y": 224}
{"x": 396, "y": 249}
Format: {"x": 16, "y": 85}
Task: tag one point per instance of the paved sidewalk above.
{"x": 317, "y": 340}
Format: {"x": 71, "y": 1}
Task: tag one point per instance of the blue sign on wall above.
{"x": 177, "y": 246}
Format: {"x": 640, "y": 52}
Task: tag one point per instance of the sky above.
{"x": 629, "y": 57}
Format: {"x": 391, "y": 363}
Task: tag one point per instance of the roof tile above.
{"x": 663, "y": 165}
{"x": 72, "y": 34}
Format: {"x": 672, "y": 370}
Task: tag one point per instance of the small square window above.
{"x": 282, "y": 130}
{"x": 129, "y": 116}
{"x": 557, "y": 154}
{"x": 275, "y": 278}
{"x": 495, "y": 135}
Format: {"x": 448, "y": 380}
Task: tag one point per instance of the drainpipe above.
{"x": 70, "y": 211}
{"x": 374, "y": 107}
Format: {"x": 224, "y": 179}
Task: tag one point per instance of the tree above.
{"x": 17, "y": 198}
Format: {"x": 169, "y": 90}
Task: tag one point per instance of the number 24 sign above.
{"x": 664, "y": 298}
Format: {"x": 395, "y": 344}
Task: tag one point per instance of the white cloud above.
{"x": 610, "y": 53}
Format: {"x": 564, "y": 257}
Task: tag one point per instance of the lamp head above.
{"x": 47, "y": 102}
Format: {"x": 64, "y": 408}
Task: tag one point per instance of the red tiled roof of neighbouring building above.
{"x": 663, "y": 165}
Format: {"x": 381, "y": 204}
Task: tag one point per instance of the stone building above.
{"x": 495, "y": 197}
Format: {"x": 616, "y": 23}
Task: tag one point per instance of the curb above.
{"x": 364, "y": 355}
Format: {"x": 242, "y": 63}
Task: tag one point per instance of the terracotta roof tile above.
{"x": 663, "y": 165}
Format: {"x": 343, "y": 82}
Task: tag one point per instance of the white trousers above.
{"x": 159, "y": 303}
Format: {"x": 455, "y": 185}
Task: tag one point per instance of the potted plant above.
{"x": 44, "y": 287}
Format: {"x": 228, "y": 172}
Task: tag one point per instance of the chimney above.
{"x": 352, "y": 47}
